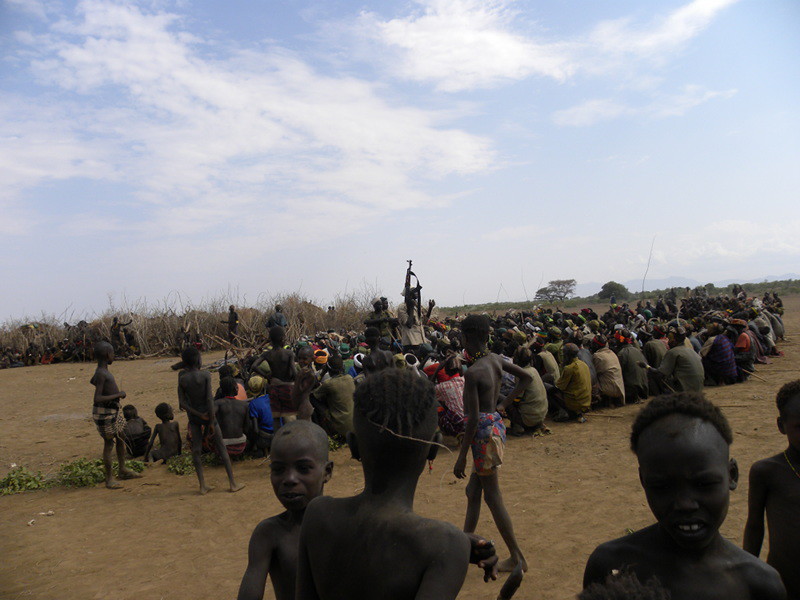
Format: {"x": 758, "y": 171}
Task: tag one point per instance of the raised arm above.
{"x": 259, "y": 556}
{"x": 756, "y": 503}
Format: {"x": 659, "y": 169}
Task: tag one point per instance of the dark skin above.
{"x": 299, "y": 469}
{"x": 775, "y": 489}
{"x": 232, "y": 417}
{"x": 106, "y": 393}
{"x": 400, "y": 554}
{"x": 169, "y": 437}
{"x": 481, "y": 391}
{"x": 196, "y": 398}
{"x": 687, "y": 475}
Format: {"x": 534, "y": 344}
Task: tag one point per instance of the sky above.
{"x": 250, "y": 149}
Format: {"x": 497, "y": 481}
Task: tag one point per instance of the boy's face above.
{"x": 789, "y": 422}
{"x": 687, "y": 476}
{"x": 297, "y": 472}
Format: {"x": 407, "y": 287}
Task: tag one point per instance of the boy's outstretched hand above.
{"x": 482, "y": 553}
{"x": 460, "y": 466}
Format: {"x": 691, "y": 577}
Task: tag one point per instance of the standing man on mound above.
{"x": 485, "y": 432}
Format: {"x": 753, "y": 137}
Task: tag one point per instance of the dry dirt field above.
{"x": 157, "y": 538}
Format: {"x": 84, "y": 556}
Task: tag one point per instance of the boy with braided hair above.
{"x": 682, "y": 444}
{"x": 400, "y": 555}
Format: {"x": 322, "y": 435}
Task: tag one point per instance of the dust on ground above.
{"x": 157, "y": 538}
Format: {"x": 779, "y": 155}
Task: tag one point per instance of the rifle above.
{"x": 409, "y": 298}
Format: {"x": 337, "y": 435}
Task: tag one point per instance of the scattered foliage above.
{"x": 20, "y": 479}
{"x": 85, "y": 472}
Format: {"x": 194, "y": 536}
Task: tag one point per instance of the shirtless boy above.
{"x": 233, "y": 419}
{"x": 299, "y": 469}
{"x": 196, "y": 398}
{"x": 682, "y": 444}
{"x": 373, "y": 545}
{"x": 775, "y": 488}
{"x": 169, "y": 436}
{"x": 485, "y": 432}
{"x": 107, "y": 416}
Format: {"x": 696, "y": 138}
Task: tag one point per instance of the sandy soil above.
{"x": 157, "y": 538}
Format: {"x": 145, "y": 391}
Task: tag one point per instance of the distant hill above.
{"x": 584, "y": 290}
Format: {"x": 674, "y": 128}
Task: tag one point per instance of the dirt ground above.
{"x": 157, "y": 538}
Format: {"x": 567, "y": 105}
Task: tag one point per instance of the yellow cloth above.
{"x": 576, "y": 384}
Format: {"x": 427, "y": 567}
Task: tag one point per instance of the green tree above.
{"x": 612, "y": 288}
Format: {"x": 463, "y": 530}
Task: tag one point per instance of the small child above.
{"x": 169, "y": 436}
{"x": 299, "y": 470}
{"x": 107, "y": 418}
{"x": 682, "y": 444}
{"x": 136, "y": 432}
{"x": 195, "y": 397}
{"x": 373, "y": 545}
{"x": 775, "y": 488}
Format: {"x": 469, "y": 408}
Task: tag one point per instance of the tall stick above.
{"x": 650, "y": 256}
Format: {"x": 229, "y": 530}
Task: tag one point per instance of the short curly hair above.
{"x": 475, "y": 325}
{"x": 163, "y": 410}
{"x": 397, "y": 399}
{"x": 692, "y": 404}
{"x": 788, "y": 392}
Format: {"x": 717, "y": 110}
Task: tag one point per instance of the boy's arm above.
{"x": 212, "y": 408}
{"x": 184, "y": 403}
{"x": 99, "y": 380}
{"x": 150, "y": 443}
{"x": 445, "y": 575}
{"x": 259, "y": 556}
{"x": 756, "y": 503}
{"x": 178, "y": 435}
{"x": 471, "y": 412}
{"x": 523, "y": 381}
{"x": 305, "y": 590}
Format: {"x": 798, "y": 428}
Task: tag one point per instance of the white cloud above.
{"x": 594, "y": 111}
{"x": 465, "y": 44}
{"x": 664, "y": 34}
{"x": 206, "y": 140}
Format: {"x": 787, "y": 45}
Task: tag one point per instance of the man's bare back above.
{"x": 281, "y": 363}
{"x": 194, "y": 387}
{"x": 425, "y": 559}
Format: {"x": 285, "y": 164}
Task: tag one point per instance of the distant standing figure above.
{"x": 232, "y": 323}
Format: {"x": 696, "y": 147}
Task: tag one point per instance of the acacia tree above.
{"x": 556, "y": 290}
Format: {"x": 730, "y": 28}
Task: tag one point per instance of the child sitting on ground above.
{"x": 682, "y": 445}
{"x": 136, "y": 432}
{"x": 399, "y": 554}
{"x": 169, "y": 436}
{"x": 775, "y": 488}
